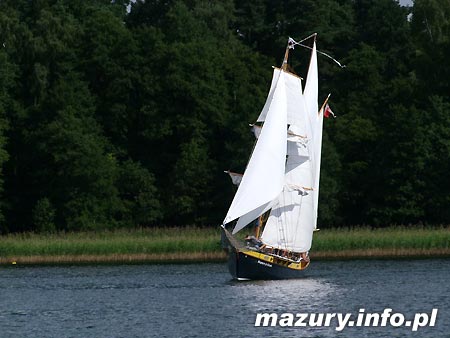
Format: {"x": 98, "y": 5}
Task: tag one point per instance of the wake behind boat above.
{"x": 279, "y": 189}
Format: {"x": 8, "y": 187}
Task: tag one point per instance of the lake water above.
{"x": 200, "y": 300}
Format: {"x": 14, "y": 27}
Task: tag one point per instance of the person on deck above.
{"x": 252, "y": 241}
{"x": 304, "y": 256}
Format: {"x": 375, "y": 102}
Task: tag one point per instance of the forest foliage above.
{"x": 117, "y": 114}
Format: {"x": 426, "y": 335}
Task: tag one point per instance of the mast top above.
{"x": 285, "y": 60}
{"x": 290, "y": 45}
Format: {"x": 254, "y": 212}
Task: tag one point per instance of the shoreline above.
{"x": 202, "y": 245}
{"x": 166, "y": 258}
{"x": 216, "y": 257}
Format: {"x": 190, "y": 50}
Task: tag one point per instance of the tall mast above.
{"x": 286, "y": 56}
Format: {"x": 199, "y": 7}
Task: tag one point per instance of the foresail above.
{"x": 264, "y": 177}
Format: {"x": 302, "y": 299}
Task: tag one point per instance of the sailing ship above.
{"x": 279, "y": 189}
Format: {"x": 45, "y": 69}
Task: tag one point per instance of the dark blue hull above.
{"x": 243, "y": 265}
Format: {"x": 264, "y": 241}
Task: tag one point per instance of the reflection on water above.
{"x": 287, "y": 295}
{"x": 202, "y": 300}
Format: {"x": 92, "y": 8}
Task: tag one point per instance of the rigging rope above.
{"x": 292, "y": 43}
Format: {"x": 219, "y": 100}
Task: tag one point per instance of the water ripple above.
{"x": 202, "y": 301}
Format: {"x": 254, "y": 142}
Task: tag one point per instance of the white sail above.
{"x": 317, "y": 160}
{"x": 311, "y": 100}
{"x": 263, "y": 179}
{"x": 294, "y": 216}
{"x": 292, "y": 137}
{"x": 293, "y": 95}
{"x": 256, "y": 130}
{"x": 311, "y": 92}
{"x": 235, "y": 177}
{"x": 251, "y": 216}
{"x": 290, "y": 225}
{"x": 298, "y": 141}
{"x": 263, "y": 114}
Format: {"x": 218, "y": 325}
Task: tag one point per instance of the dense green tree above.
{"x": 378, "y": 131}
{"x": 431, "y": 32}
{"x": 113, "y": 118}
{"x": 14, "y": 35}
{"x": 138, "y": 194}
{"x": 72, "y": 165}
{"x": 437, "y": 160}
{"x": 109, "y": 63}
{"x": 355, "y": 132}
{"x": 196, "y": 110}
{"x": 330, "y": 190}
{"x": 44, "y": 216}
{"x": 430, "y": 26}
{"x": 7, "y": 75}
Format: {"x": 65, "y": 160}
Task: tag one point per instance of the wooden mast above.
{"x": 324, "y": 103}
{"x": 285, "y": 60}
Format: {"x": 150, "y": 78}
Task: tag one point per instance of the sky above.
{"x": 406, "y": 2}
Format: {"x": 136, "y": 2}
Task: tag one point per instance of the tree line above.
{"x": 118, "y": 114}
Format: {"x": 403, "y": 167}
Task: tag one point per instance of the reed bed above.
{"x": 156, "y": 241}
{"x": 390, "y": 242}
{"x": 395, "y": 237}
{"x": 193, "y": 244}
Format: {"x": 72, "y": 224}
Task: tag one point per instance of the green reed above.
{"x": 207, "y": 240}
{"x": 394, "y": 237}
{"x": 140, "y": 241}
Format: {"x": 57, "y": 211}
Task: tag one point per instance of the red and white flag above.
{"x": 327, "y": 112}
